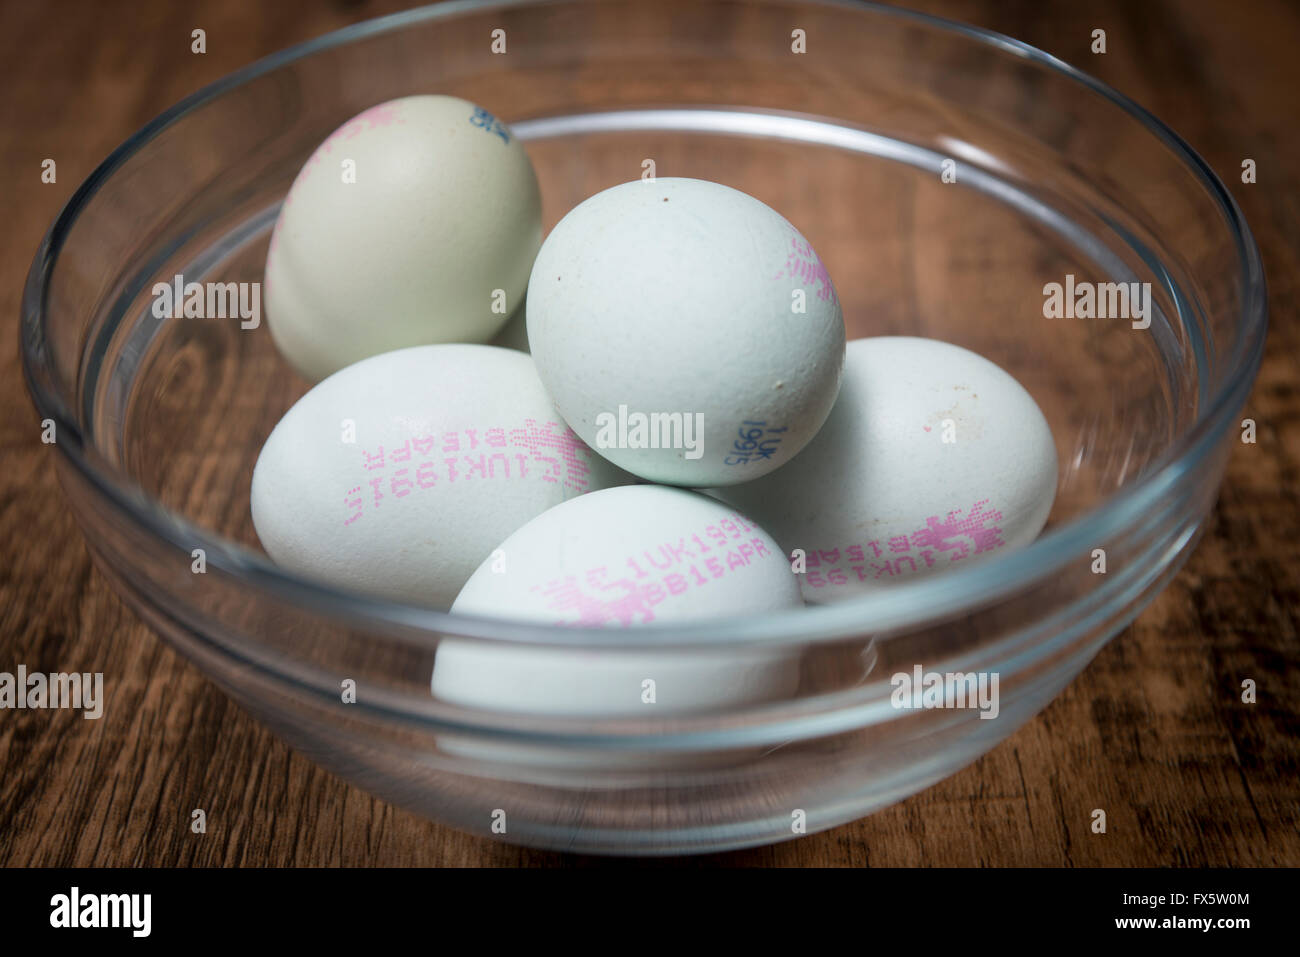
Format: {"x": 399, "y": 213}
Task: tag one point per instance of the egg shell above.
{"x": 616, "y": 559}
{"x": 934, "y": 458}
{"x": 398, "y": 475}
{"x": 443, "y": 211}
{"x": 514, "y": 334}
{"x": 681, "y": 296}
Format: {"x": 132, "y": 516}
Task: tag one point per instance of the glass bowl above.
{"x": 159, "y": 421}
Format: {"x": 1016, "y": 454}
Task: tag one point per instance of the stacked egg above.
{"x": 690, "y": 438}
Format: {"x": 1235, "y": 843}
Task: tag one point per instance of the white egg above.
{"x": 415, "y": 222}
{"x": 933, "y": 458}
{"x": 619, "y": 558}
{"x": 687, "y": 331}
{"x": 398, "y": 475}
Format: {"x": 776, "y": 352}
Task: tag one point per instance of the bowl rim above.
{"x": 942, "y": 596}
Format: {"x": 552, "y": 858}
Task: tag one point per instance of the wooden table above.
{"x": 1154, "y": 729}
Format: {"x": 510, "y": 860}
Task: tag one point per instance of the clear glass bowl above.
{"x": 159, "y": 421}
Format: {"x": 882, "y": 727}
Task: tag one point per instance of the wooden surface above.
{"x": 1154, "y": 727}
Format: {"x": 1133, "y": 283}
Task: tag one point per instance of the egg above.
{"x": 415, "y": 222}
{"x": 397, "y": 475}
{"x": 614, "y": 560}
{"x": 934, "y": 458}
{"x": 687, "y": 331}
{"x": 514, "y": 334}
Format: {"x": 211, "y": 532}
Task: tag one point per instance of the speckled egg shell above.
{"x": 688, "y": 298}
{"x": 415, "y": 222}
{"x": 933, "y": 458}
{"x": 397, "y": 475}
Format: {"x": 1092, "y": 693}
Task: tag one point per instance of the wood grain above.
{"x": 1154, "y": 730}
